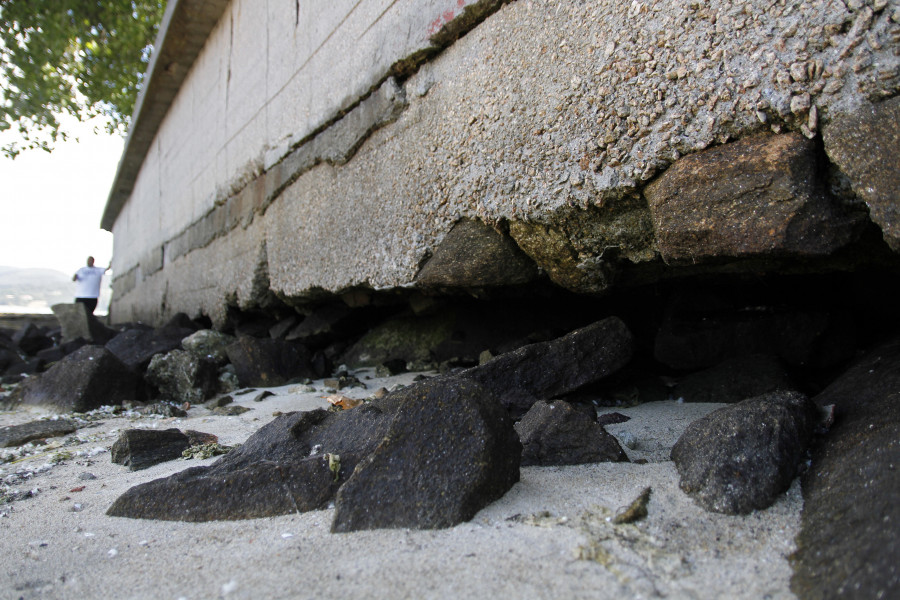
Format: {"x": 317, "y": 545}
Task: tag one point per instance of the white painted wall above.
{"x": 270, "y": 74}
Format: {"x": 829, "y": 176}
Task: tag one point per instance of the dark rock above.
{"x": 849, "y": 536}
{"x": 279, "y": 330}
{"x": 450, "y": 450}
{"x": 219, "y": 401}
{"x": 57, "y": 353}
{"x": 549, "y": 369}
{"x": 259, "y": 397}
{"x": 408, "y": 339}
{"x": 612, "y": 418}
{"x": 557, "y": 434}
{"x": 183, "y": 377}
{"x": 473, "y": 254}
{"x": 759, "y": 196}
{"x": 142, "y": 448}
{"x": 865, "y": 145}
{"x": 136, "y": 347}
{"x": 260, "y": 489}
{"x": 32, "y": 366}
{"x": 267, "y": 362}
{"x": 742, "y": 457}
{"x": 77, "y": 323}
{"x": 87, "y": 476}
{"x": 17, "y": 435}
{"x": 8, "y": 358}
{"x": 207, "y": 343}
{"x": 162, "y": 408}
{"x": 86, "y": 379}
{"x": 735, "y": 379}
{"x": 282, "y": 468}
{"x": 457, "y": 334}
{"x": 30, "y": 339}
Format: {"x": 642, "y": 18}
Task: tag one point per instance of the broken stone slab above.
{"x": 294, "y": 463}
{"x": 86, "y": 379}
{"x": 735, "y": 379}
{"x": 17, "y": 435}
{"x": 740, "y": 458}
{"x": 135, "y": 347}
{"x": 756, "y": 197}
{"x": 142, "y": 448}
{"x": 261, "y": 489}
{"x": 849, "y": 536}
{"x": 76, "y": 322}
{"x": 865, "y": 145}
{"x": 208, "y": 343}
{"x": 181, "y": 376}
{"x": 473, "y": 254}
{"x": 557, "y": 434}
{"x": 267, "y": 362}
{"x": 450, "y": 451}
{"x": 545, "y": 370}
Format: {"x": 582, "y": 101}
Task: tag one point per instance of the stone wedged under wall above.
{"x": 550, "y": 120}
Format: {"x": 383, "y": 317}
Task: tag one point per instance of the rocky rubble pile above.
{"x": 513, "y": 393}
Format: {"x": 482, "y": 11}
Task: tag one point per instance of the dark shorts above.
{"x": 90, "y": 304}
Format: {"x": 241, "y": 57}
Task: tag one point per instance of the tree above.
{"x": 85, "y": 58}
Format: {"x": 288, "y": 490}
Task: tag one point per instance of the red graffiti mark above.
{"x": 446, "y": 17}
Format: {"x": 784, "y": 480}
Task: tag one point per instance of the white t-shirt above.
{"x": 87, "y": 283}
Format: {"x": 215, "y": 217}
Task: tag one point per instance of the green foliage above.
{"x": 84, "y": 58}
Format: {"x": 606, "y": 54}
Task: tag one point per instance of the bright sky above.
{"x": 51, "y": 204}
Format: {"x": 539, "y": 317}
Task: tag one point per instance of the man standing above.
{"x": 87, "y": 284}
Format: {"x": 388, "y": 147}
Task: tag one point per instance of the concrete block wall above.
{"x": 547, "y": 113}
{"x": 270, "y": 74}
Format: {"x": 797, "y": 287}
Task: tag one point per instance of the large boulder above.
{"x": 865, "y": 145}
{"x": 741, "y": 457}
{"x": 86, "y": 379}
{"x": 757, "y": 197}
{"x": 849, "y": 536}
{"x": 295, "y": 463}
{"x": 473, "y": 254}
{"x": 558, "y": 434}
{"x": 183, "y": 377}
{"x": 135, "y": 347}
{"x": 268, "y": 362}
{"x": 450, "y": 450}
{"x": 546, "y": 370}
{"x": 208, "y": 343}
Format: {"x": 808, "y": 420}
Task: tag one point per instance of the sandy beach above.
{"x": 551, "y": 536}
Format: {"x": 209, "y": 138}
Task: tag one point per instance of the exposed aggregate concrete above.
{"x": 550, "y": 116}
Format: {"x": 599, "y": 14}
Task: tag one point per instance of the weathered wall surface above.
{"x": 548, "y": 120}
{"x": 271, "y": 73}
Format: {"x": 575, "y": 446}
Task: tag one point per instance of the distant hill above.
{"x": 36, "y": 290}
